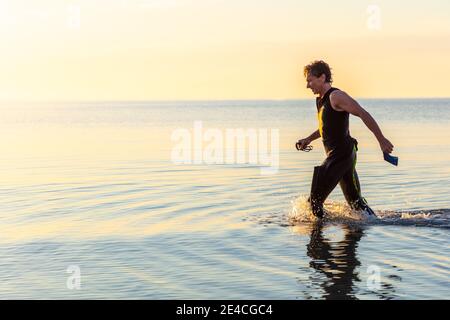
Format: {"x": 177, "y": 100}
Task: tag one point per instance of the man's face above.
{"x": 314, "y": 83}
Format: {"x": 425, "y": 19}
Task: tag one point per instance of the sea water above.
{"x": 93, "y": 205}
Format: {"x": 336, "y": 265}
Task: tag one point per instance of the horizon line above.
{"x": 212, "y": 100}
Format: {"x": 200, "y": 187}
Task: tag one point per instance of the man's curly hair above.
{"x": 318, "y": 68}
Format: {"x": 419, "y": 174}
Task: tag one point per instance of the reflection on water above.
{"x": 338, "y": 263}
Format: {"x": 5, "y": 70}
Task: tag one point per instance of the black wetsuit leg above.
{"x": 351, "y": 188}
{"x": 350, "y": 183}
{"x": 338, "y": 167}
{"x": 326, "y": 176}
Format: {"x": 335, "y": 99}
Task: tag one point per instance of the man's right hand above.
{"x": 302, "y": 143}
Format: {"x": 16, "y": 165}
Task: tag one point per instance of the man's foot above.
{"x": 361, "y": 205}
{"x": 318, "y": 212}
{"x": 317, "y": 209}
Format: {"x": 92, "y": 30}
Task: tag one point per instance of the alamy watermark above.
{"x": 374, "y": 279}
{"x": 74, "y": 280}
{"x": 227, "y": 146}
{"x": 374, "y": 18}
{"x": 150, "y": 4}
{"x": 74, "y": 17}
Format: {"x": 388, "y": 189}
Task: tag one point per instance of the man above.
{"x": 334, "y": 107}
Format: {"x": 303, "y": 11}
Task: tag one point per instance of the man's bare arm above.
{"x": 303, "y": 143}
{"x": 314, "y": 136}
{"x": 343, "y": 102}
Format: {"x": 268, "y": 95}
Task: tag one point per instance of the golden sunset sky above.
{"x": 220, "y": 49}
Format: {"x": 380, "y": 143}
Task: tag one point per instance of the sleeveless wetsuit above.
{"x": 341, "y": 148}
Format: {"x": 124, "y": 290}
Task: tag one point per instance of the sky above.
{"x": 111, "y": 50}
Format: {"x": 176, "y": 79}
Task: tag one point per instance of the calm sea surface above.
{"x": 92, "y": 190}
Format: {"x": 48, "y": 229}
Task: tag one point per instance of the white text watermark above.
{"x": 227, "y": 146}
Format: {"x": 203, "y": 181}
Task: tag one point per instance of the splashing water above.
{"x": 334, "y": 210}
{"x": 337, "y": 211}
